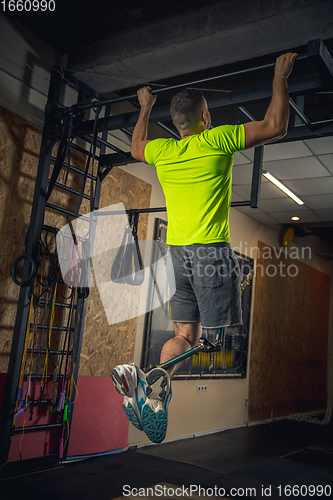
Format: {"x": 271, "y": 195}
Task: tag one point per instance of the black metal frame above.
{"x": 322, "y": 61}
{"x": 316, "y": 52}
{"x": 32, "y": 242}
{"x": 53, "y": 114}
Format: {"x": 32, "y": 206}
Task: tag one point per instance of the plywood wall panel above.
{"x": 19, "y": 149}
{"x": 104, "y": 346}
{"x": 290, "y": 337}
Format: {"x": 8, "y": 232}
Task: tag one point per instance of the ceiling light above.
{"x": 295, "y": 218}
{"x": 282, "y": 187}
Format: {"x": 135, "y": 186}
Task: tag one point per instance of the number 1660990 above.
{"x": 28, "y": 5}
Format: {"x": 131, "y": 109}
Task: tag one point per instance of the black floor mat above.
{"x": 234, "y": 449}
{"x": 314, "y": 455}
{"x": 243, "y": 463}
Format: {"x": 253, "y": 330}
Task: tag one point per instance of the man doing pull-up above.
{"x": 196, "y": 176}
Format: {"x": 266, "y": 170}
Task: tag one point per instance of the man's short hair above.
{"x": 185, "y": 107}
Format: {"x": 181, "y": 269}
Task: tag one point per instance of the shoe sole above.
{"x": 122, "y": 387}
{"x": 152, "y": 378}
{"x": 132, "y": 416}
{"x": 155, "y": 423}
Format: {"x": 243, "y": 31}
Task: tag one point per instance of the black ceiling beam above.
{"x": 115, "y": 159}
{"x": 322, "y": 60}
{"x": 179, "y": 86}
{"x": 316, "y": 52}
{"x": 302, "y": 132}
{"x": 101, "y": 142}
{"x": 300, "y": 114}
{"x": 297, "y": 86}
{"x": 246, "y": 113}
{"x": 168, "y": 129}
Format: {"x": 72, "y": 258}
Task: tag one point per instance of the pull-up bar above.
{"x": 187, "y": 84}
{"x": 134, "y": 211}
{"x": 317, "y": 54}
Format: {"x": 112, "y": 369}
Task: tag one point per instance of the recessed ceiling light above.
{"x": 295, "y": 218}
{"x": 282, "y": 187}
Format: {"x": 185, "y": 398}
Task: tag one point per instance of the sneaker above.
{"x": 131, "y": 383}
{"x": 154, "y": 414}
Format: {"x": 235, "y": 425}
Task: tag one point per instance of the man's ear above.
{"x": 204, "y": 117}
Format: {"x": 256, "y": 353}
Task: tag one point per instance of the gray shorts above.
{"x": 207, "y": 279}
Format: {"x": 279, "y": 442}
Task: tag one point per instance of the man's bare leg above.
{"x": 186, "y": 337}
{"x": 154, "y": 414}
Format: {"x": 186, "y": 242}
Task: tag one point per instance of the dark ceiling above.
{"x": 70, "y": 28}
{"x": 77, "y": 24}
{"x": 317, "y": 107}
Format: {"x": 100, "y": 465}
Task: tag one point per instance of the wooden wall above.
{"x": 104, "y": 346}
{"x": 288, "y": 364}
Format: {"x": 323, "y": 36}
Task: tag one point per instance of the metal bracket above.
{"x": 115, "y": 159}
{"x": 205, "y": 346}
{"x": 105, "y": 172}
{"x": 256, "y": 177}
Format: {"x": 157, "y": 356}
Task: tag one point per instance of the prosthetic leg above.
{"x": 203, "y": 346}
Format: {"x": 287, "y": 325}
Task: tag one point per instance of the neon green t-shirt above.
{"x": 196, "y": 177}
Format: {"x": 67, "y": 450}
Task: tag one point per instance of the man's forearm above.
{"x": 278, "y": 111}
{"x": 275, "y": 124}
{"x": 140, "y": 132}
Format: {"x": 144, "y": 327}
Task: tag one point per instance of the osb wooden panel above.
{"x": 290, "y": 338}
{"x": 19, "y": 149}
{"x": 103, "y": 346}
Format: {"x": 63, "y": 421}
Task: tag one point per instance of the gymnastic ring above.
{"x": 31, "y": 274}
{"x": 62, "y": 292}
